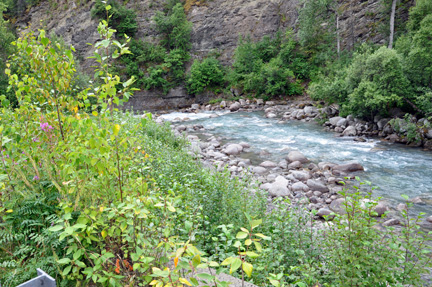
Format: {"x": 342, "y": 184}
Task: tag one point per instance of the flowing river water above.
{"x": 394, "y": 168}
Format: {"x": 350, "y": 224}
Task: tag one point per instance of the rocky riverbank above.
{"x": 315, "y": 185}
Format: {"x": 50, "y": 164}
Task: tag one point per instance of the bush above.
{"x": 206, "y": 74}
{"x": 122, "y": 19}
{"x": 174, "y": 27}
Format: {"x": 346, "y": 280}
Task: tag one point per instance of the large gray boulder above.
{"x": 348, "y": 167}
{"x": 296, "y": 156}
{"x": 342, "y": 122}
{"x": 301, "y": 175}
{"x": 334, "y": 120}
{"x": 235, "y": 107}
{"x": 310, "y": 111}
{"x": 325, "y": 213}
{"x": 317, "y": 185}
{"x": 259, "y": 170}
{"x": 338, "y": 206}
{"x": 299, "y": 186}
{"x": 279, "y": 187}
{"x": 350, "y": 131}
{"x": 268, "y": 164}
{"x": 233, "y": 149}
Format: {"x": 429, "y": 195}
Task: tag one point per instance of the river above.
{"x": 394, "y": 168}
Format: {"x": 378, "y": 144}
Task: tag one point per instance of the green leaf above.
{"x": 205, "y": 276}
{"x": 56, "y": 228}
{"x": 258, "y": 246}
{"x": 241, "y": 235}
{"x": 404, "y": 196}
{"x": 64, "y": 261}
{"x": 235, "y": 264}
{"x": 227, "y": 261}
{"x": 247, "y": 268}
{"x": 255, "y": 223}
{"x": 248, "y": 242}
{"x": 67, "y": 270}
{"x": 251, "y": 254}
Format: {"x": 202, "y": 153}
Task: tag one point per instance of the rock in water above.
{"x": 233, "y": 149}
{"x": 235, "y": 107}
{"x": 348, "y": 167}
{"x": 296, "y": 156}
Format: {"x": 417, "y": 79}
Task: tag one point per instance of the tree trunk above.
{"x": 337, "y": 34}
{"x": 392, "y": 19}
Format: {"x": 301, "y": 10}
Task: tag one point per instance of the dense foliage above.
{"x": 121, "y": 18}
{"x": 269, "y": 67}
{"x": 376, "y": 80}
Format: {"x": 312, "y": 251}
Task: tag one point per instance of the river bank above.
{"x": 305, "y": 181}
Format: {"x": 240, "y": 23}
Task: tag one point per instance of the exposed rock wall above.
{"x": 217, "y": 25}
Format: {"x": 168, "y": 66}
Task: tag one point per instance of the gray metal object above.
{"x": 42, "y": 279}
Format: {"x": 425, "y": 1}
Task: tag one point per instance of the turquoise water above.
{"x": 394, "y": 168}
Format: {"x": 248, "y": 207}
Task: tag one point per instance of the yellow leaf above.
{"x": 175, "y": 262}
{"x": 9, "y": 210}
{"x": 116, "y": 129}
{"x": 154, "y": 282}
{"x": 95, "y": 113}
{"x": 101, "y": 209}
{"x": 104, "y": 234}
{"x": 184, "y": 281}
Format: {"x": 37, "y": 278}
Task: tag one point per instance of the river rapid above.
{"x": 394, "y": 168}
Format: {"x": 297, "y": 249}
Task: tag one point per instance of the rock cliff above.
{"x": 217, "y": 24}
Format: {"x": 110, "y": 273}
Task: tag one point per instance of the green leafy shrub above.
{"x": 121, "y": 18}
{"x": 174, "y": 27}
{"x": 264, "y": 67}
{"x": 205, "y": 74}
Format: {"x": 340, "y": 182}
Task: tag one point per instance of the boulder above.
{"x": 348, "y": 167}
{"x": 299, "y": 186}
{"x": 235, "y": 107}
{"x": 429, "y": 219}
{"x": 266, "y": 186}
{"x": 301, "y": 175}
{"x": 223, "y": 104}
{"x": 334, "y": 120}
{"x": 417, "y": 200}
{"x": 429, "y": 134}
{"x": 350, "y": 131}
{"x": 195, "y": 107}
{"x": 233, "y": 149}
{"x": 270, "y": 115}
{"x": 325, "y": 213}
{"x": 338, "y": 206}
{"x": 317, "y": 185}
{"x": 260, "y": 102}
{"x": 381, "y": 123}
{"x": 279, "y": 187}
{"x": 342, "y": 122}
{"x": 381, "y": 208}
{"x": 296, "y": 156}
{"x": 391, "y": 222}
{"x": 259, "y": 170}
{"x": 310, "y": 111}
{"x": 268, "y": 164}
{"x": 295, "y": 165}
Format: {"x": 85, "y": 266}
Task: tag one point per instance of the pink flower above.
{"x": 45, "y": 127}
{"x": 36, "y": 177}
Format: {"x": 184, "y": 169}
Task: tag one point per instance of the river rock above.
{"x": 301, "y": 175}
{"x": 429, "y": 219}
{"x": 391, "y": 222}
{"x": 381, "y": 208}
{"x": 326, "y": 165}
{"x": 295, "y": 165}
{"x": 342, "y": 122}
{"x": 317, "y": 185}
{"x": 233, "y": 149}
{"x": 244, "y": 145}
{"x": 181, "y": 128}
{"x": 348, "y": 167}
{"x": 270, "y": 115}
{"x": 401, "y": 207}
{"x": 223, "y": 104}
{"x": 382, "y": 123}
{"x": 338, "y": 206}
{"x": 268, "y": 164}
{"x": 266, "y": 186}
{"x": 270, "y": 103}
{"x": 279, "y": 187}
{"x": 325, "y": 213}
{"x": 334, "y": 120}
{"x": 283, "y": 164}
{"x": 195, "y": 107}
{"x": 350, "y": 131}
{"x": 299, "y": 186}
{"x": 235, "y": 107}
{"x": 310, "y": 111}
{"x": 259, "y": 170}
{"x": 296, "y": 156}
{"x": 429, "y": 134}
{"x": 417, "y": 200}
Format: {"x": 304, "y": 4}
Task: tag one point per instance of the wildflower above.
{"x": 36, "y": 139}
{"x": 45, "y": 127}
{"x": 36, "y": 177}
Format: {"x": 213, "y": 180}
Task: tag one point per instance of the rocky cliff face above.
{"x": 217, "y": 24}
